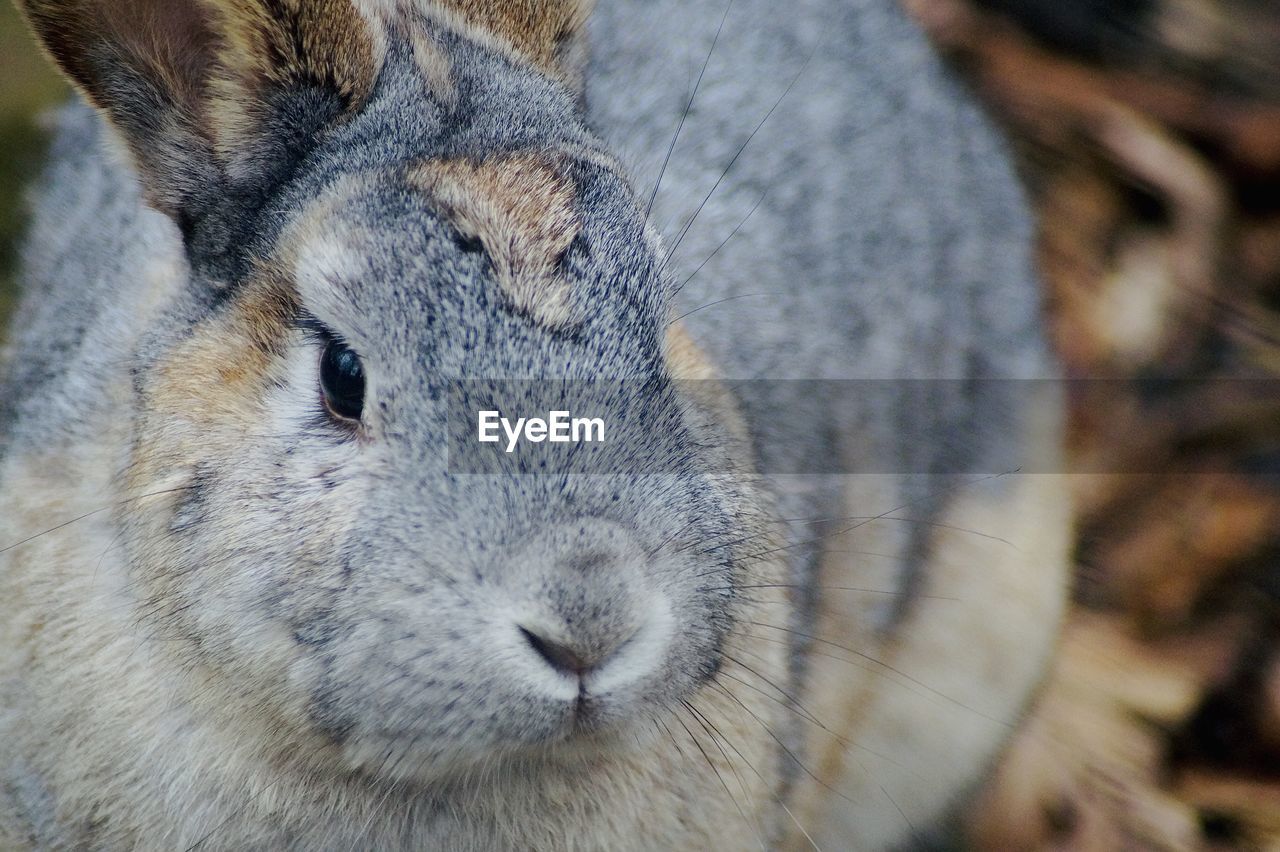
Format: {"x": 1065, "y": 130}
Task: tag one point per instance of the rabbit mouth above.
{"x": 527, "y": 682}
{"x": 579, "y": 732}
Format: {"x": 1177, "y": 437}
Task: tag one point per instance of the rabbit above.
{"x": 264, "y": 589}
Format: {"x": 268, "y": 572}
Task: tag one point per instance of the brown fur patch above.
{"x": 702, "y": 383}
{"x": 435, "y": 66}
{"x": 183, "y": 46}
{"x": 325, "y": 41}
{"x": 150, "y": 37}
{"x": 218, "y": 375}
{"x": 521, "y": 207}
{"x": 277, "y": 45}
{"x": 685, "y": 359}
{"x": 546, "y": 32}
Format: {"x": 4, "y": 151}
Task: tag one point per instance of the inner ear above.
{"x": 146, "y": 65}
{"x": 96, "y": 42}
{"x": 213, "y": 98}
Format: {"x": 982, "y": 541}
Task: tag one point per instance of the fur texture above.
{"x": 521, "y": 212}
{"x": 267, "y": 628}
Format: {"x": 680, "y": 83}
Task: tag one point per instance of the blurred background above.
{"x": 1148, "y": 132}
{"x": 1149, "y": 135}
{"x": 27, "y": 84}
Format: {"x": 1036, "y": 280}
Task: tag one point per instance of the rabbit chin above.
{"x": 572, "y": 738}
{"x": 523, "y": 711}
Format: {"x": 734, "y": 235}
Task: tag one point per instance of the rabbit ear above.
{"x": 215, "y": 98}
{"x": 548, "y": 33}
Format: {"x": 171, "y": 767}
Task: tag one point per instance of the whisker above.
{"x": 110, "y": 546}
{"x": 812, "y": 842}
{"x": 221, "y": 825}
{"x": 787, "y": 749}
{"x": 718, "y": 302}
{"x": 915, "y": 835}
{"x": 87, "y": 515}
{"x": 716, "y": 738}
{"x": 685, "y": 230}
{"x": 690, "y": 524}
{"x": 362, "y": 837}
{"x": 783, "y": 548}
{"x": 877, "y": 670}
{"x": 648, "y": 209}
{"x": 793, "y": 704}
{"x": 863, "y": 520}
{"x": 888, "y": 667}
{"x": 672, "y": 737}
{"x": 711, "y": 765}
{"x": 785, "y": 701}
{"x": 825, "y": 588}
{"x": 723, "y": 243}
{"x": 778, "y": 800}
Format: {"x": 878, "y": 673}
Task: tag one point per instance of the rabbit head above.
{"x": 378, "y": 202}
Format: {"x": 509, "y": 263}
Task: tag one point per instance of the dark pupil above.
{"x": 342, "y": 380}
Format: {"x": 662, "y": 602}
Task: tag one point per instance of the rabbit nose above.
{"x": 583, "y": 611}
{"x": 566, "y": 658}
{"x": 599, "y": 661}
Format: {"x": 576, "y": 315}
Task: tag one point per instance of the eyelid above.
{"x": 317, "y": 332}
{"x": 306, "y": 322}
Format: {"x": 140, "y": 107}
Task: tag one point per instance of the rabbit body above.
{"x": 780, "y": 616}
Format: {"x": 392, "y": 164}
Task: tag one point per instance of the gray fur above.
{"x": 892, "y": 242}
{"x": 891, "y": 239}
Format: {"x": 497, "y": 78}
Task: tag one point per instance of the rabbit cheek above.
{"x": 216, "y": 380}
{"x": 203, "y": 403}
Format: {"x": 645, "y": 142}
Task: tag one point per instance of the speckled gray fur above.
{"x": 890, "y": 241}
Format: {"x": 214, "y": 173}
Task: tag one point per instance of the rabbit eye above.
{"x": 342, "y": 380}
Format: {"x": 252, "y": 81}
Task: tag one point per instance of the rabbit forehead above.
{"x": 519, "y": 209}
{"x": 394, "y": 230}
